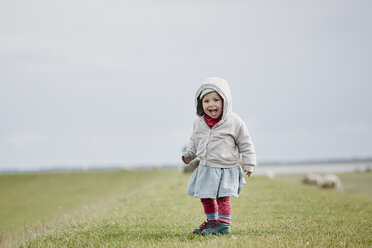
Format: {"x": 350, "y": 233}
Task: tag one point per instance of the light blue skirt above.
{"x": 210, "y": 182}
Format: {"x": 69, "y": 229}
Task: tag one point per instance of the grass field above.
{"x": 148, "y": 208}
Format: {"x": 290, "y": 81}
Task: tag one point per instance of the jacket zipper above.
{"x": 209, "y": 138}
{"x": 206, "y": 147}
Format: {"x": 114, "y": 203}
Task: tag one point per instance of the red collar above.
{"x": 211, "y": 122}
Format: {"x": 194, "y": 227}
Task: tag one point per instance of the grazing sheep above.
{"x": 313, "y": 179}
{"x": 270, "y": 175}
{"x": 331, "y": 181}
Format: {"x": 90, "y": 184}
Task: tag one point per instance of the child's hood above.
{"x": 222, "y": 88}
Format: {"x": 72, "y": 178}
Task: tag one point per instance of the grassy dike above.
{"x": 149, "y": 209}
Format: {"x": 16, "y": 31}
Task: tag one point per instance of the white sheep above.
{"x": 331, "y": 181}
{"x": 313, "y": 179}
{"x": 270, "y": 174}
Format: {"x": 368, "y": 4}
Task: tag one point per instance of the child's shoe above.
{"x": 217, "y": 228}
{"x": 204, "y": 226}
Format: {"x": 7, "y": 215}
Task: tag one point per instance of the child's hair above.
{"x": 205, "y": 92}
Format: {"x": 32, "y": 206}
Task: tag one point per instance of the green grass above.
{"x": 26, "y": 198}
{"x": 150, "y": 209}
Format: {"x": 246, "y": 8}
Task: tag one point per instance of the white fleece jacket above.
{"x": 222, "y": 145}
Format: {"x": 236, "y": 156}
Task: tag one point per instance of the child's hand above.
{"x": 185, "y": 160}
{"x": 249, "y": 173}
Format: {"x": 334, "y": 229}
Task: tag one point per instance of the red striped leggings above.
{"x": 220, "y": 210}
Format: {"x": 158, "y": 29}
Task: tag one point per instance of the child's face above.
{"x": 212, "y": 105}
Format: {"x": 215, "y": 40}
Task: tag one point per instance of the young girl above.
{"x": 219, "y": 139}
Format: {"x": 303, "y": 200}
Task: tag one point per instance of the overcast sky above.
{"x": 113, "y": 82}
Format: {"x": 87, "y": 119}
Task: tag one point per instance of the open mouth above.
{"x": 213, "y": 112}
